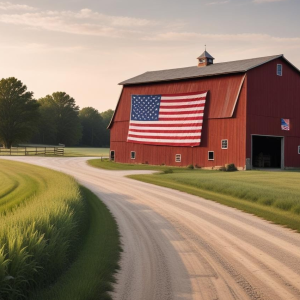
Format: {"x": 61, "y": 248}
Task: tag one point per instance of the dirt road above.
{"x": 178, "y": 246}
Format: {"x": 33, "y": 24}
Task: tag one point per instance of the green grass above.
{"x": 90, "y": 276}
{"x": 69, "y": 152}
{"x": 18, "y": 184}
{"x": 110, "y": 165}
{"x": 96, "y": 152}
{"x": 274, "y": 196}
{"x": 42, "y": 231}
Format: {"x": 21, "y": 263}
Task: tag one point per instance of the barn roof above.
{"x": 195, "y": 72}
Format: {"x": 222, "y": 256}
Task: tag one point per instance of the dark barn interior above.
{"x": 266, "y": 151}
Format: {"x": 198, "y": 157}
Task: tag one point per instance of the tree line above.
{"x": 53, "y": 119}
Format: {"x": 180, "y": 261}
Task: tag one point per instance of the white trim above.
{"x": 226, "y": 144}
{"x": 238, "y": 94}
{"x": 131, "y": 154}
{"x": 213, "y": 155}
{"x": 277, "y": 73}
{"x": 179, "y": 155}
{"x": 110, "y": 154}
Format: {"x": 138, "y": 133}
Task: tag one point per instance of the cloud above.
{"x": 218, "y": 2}
{"x": 11, "y": 6}
{"x": 83, "y": 22}
{"x": 267, "y": 1}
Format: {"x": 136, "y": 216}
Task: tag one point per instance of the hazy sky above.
{"x": 86, "y": 48}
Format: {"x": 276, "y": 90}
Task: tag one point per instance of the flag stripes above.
{"x": 174, "y": 120}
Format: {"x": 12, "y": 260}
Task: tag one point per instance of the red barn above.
{"x": 251, "y": 116}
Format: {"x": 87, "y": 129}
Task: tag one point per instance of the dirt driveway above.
{"x": 178, "y": 246}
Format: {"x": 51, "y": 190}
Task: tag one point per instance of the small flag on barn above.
{"x": 173, "y": 119}
{"x": 285, "y": 124}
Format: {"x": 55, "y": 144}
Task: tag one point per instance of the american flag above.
{"x": 285, "y": 124}
{"x": 174, "y": 120}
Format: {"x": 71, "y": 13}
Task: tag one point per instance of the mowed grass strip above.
{"x": 40, "y": 239}
{"x": 110, "y": 165}
{"x": 86, "y": 152}
{"x": 18, "y": 184}
{"x": 91, "y": 275}
{"x": 274, "y": 196}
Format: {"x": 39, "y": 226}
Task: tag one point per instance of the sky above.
{"x": 86, "y": 47}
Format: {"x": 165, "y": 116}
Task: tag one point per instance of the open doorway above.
{"x": 267, "y": 151}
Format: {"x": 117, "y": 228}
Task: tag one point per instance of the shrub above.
{"x": 168, "y": 171}
{"x": 230, "y": 168}
{"x": 190, "y": 167}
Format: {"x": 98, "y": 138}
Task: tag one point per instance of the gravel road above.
{"x": 178, "y": 246}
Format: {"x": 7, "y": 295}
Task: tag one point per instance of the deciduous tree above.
{"x": 60, "y": 121}
{"x": 106, "y": 116}
{"x": 92, "y": 127}
{"x": 18, "y": 112}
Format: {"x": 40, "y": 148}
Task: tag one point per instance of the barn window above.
{"x": 298, "y": 149}
{"x": 112, "y": 155}
{"x": 224, "y": 144}
{"x": 211, "y": 155}
{"x": 132, "y": 154}
{"x": 177, "y": 157}
{"x": 279, "y": 70}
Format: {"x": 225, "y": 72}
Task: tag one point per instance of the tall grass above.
{"x": 38, "y": 238}
{"x": 92, "y": 273}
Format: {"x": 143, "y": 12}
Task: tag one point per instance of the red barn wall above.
{"x": 270, "y": 98}
{"x": 222, "y": 94}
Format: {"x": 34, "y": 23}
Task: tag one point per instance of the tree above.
{"x": 18, "y": 112}
{"x": 106, "y": 116}
{"x": 59, "y": 120}
{"x": 92, "y": 127}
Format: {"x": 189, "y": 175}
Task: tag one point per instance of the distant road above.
{"x": 179, "y": 246}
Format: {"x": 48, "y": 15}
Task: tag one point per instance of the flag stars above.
{"x": 145, "y": 107}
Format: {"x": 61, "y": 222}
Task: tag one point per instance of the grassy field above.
{"x": 96, "y": 152}
{"x": 274, "y": 196}
{"x": 47, "y": 223}
{"x": 69, "y": 152}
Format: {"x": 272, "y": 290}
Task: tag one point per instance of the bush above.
{"x": 190, "y": 167}
{"x": 168, "y": 171}
{"x": 230, "y": 168}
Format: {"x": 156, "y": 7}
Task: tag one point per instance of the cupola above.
{"x": 205, "y": 59}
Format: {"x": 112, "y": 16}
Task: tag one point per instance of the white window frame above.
{"x": 131, "y": 152}
{"x": 110, "y": 154}
{"x": 177, "y": 156}
{"x": 298, "y": 149}
{"x": 213, "y": 155}
{"x": 277, "y": 70}
{"x": 226, "y": 144}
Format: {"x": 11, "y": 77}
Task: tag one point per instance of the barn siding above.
{"x": 270, "y": 98}
{"x": 222, "y": 95}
